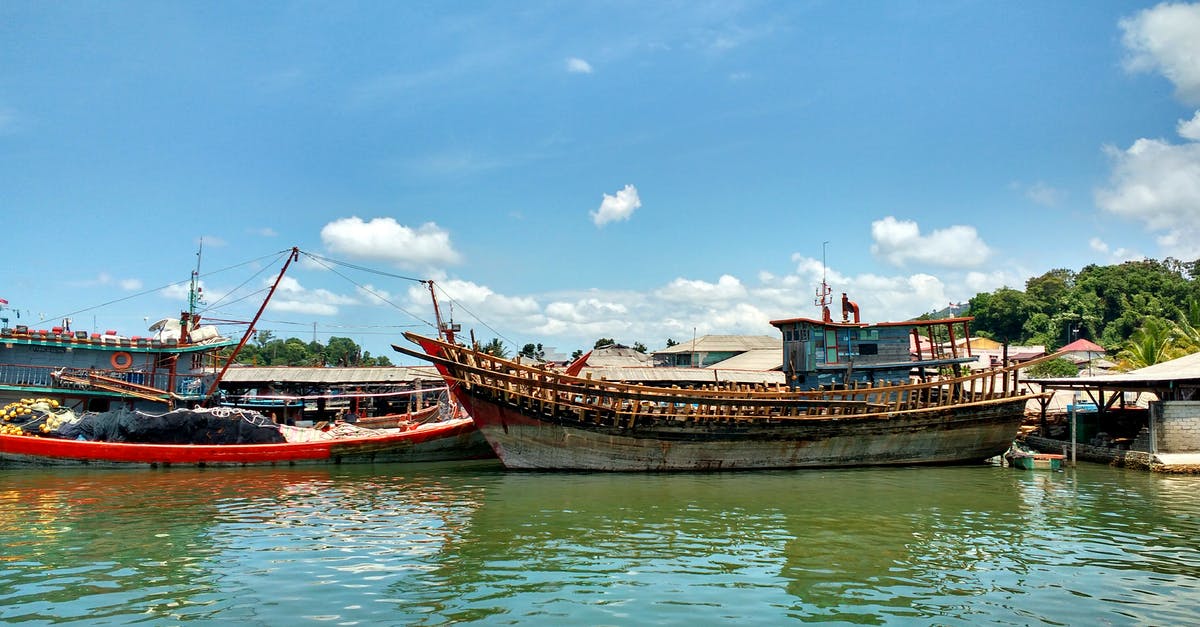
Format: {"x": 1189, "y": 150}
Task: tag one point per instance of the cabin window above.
{"x": 868, "y": 334}
{"x": 97, "y": 405}
{"x": 831, "y": 354}
{"x": 803, "y": 334}
{"x": 868, "y": 349}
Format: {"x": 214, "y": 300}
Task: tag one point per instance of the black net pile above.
{"x": 182, "y": 426}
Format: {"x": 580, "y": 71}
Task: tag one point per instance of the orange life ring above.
{"x": 122, "y": 360}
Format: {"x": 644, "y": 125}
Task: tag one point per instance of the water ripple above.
{"x": 431, "y": 544}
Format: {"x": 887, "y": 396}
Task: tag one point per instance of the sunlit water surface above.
{"x": 433, "y": 544}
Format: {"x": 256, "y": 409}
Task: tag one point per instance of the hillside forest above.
{"x": 1142, "y": 312}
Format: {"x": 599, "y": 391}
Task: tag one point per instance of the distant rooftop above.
{"x": 724, "y": 344}
{"x": 756, "y": 359}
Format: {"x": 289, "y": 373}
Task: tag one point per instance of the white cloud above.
{"x": 1117, "y": 255}
{"x": 726, "y": 288}
{"x": 467, "y": 303}
{"x": 1190, "y": 129}
{"x": 899, "y": 242}
{"x": 292, "y": 297}
{"x": 384, "y": 239}
{"x": 576, "y": 65}
{"x": 265, "y": 231}
{"x": 617, "y": 207}
{"x": 685, "y": 306}
{"x": 977, "y": 282}
{"x": 1166, "y": 38}
{"x": 130, "y": 285}
{"x": 1158, "y": 184}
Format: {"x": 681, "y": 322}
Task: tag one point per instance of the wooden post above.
{"x": 1073, "y": 442}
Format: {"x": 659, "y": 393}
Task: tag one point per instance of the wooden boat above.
{"x": 1035, "y": 461}
{"x": 389, "y": 421}
{"x": 447, "y": 440}
{"x": 856, "y": 396}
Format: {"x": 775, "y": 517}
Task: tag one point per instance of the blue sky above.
{"x": 575, "y": 170}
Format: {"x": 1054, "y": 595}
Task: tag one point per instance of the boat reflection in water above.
{"x": 431, "y": 544}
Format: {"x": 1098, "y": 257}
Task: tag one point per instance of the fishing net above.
{"x": 220, "y": 425}
{"x": 34, "y": 417}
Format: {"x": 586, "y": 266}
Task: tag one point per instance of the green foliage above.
{"x": 495, "y": 348}
{"x": 1156, "y": 341}
{"x": 639, "y": 347}
{"x": 1053, "y": 368}
{"x": 671, "y": 342}
{"x": 604, "y": 341}
{"x": 267, "y": 350}
{"x": 1107, "y": 304}
{"x": 533, "y": 351}
{"x": 577, "y": 354}
{"x": 1002, "y": 313}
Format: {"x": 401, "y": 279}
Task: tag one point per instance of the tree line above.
{"x": 268, "y": 350}
{"x": 1143, "y": 312}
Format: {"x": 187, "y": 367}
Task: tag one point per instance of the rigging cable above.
{"x": 472, "y": 314}
{"x": 152, "y": 290}
{"x": 321, "y": 261}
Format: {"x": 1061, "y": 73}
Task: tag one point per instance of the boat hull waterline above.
{"x": 536, "y": 419}
{"x": 449, "y": 440}
{"x": 949, "y": 436}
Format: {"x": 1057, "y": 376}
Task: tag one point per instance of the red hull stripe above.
{"x": 53, "y": 450}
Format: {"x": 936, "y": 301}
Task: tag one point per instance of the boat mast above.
{"x": 446, "y": 330}
{"x": 294, "y": 255}
{"x": 824, "y": 293}
{"x": 188, "y": 318}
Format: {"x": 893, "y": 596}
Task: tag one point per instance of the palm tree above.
{"x": 1188, "y": 326}
{"x": 1156, "y": 341}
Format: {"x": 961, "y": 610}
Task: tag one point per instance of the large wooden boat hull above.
{"x": 449, "y": 440}
{"x": 942, "y": 436}
{"x": 538, "y": 419}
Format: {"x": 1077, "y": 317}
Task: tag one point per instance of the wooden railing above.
{"x": 552, "y": 393}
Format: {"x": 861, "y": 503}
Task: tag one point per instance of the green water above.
{"x": 435, "y": 544}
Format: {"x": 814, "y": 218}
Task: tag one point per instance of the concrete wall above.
{"x": 1178, "y": 428}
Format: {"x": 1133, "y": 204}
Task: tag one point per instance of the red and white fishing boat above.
{"x": 56, "y": 376}
{"x": 436, "y": 441}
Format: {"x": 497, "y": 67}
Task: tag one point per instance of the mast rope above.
{"x": 472, "y": 314}
{"x": 155, "y": 289}
{"x": 322, "y": 262}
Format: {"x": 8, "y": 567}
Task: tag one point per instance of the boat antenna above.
{"x": 824, "y": 293}
{"x": 195, "y": 299}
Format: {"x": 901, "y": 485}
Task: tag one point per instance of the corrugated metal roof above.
{"x": 617, "y": 356}
{"x": 725, "y": 343}
{"x": 283, "y": 374}
{"x": 757, "y": 359}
